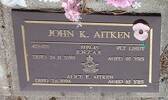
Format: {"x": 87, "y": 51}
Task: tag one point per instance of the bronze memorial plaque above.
{"x": 105, "y": 53}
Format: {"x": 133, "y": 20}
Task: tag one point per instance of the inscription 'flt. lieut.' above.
{"x": 83, "y": 34}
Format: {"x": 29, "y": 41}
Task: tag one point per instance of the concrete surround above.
{"x": 8, "y": 56}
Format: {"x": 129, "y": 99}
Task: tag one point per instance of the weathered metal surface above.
{"x": 102, "y": 55}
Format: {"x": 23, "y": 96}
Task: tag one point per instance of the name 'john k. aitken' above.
{"x": 84, "y": 34}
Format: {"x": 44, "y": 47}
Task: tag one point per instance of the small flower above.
{"x": 72, "y": 15}
{"x": 141, "y": 31}
{"x": 13, "y": 3}
{"x": 136, "y": 5}
{"x": 120, "y": 3}
{"x": 71, "y": 8}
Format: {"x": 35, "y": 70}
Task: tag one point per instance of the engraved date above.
{"x": 51, "y": 81}
{"x": 66, "y": 57}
